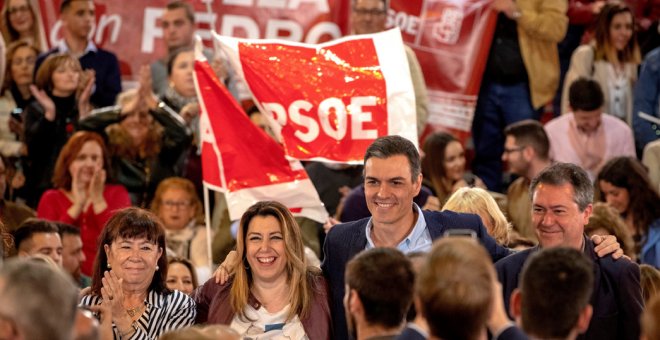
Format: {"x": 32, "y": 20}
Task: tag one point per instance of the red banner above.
{"x": 132, "y": 30}
{"x": 242, "y": 160}
{"x": 330, "y": 101}
{"x": 451, "y": 40}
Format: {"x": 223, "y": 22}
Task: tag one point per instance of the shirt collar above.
{"x": 410, "y": 240}
{"x": 64, "y": 48}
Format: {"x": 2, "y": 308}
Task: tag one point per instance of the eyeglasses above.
{"x": 176, "y": 204}
{"x": 373, "y": 12}
{"x": 21, "y": 61}
{"x": 14, "y": 10}
{"x": 508, "y": 151}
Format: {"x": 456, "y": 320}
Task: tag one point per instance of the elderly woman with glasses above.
{"x": 178, "y": 207}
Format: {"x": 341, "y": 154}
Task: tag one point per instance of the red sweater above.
{"x": 54, "y": 204}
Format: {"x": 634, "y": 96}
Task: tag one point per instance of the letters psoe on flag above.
{"x": 242, "y": 160}
{"x": 329, "y": 102}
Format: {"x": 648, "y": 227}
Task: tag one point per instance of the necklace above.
{"x": 132, "y": 312}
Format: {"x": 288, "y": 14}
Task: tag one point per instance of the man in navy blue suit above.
{"x": 561, "y": 206}
{"x": 392, "y": 178}
{"x": 77, "y": 22}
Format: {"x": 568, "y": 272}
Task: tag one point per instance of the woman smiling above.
{"x": 274, "y": 292}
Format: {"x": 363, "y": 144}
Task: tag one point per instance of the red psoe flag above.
{"x": 329, "y": 102}
{"x": 241, "y": 160}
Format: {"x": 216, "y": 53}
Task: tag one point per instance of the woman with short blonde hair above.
{"x": 479, "y": 201}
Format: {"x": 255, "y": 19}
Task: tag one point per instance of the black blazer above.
{"x": 347, "y": 239}
{"x": 616, "y": 300}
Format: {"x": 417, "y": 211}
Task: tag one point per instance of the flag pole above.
{"x": 207, "y": 219}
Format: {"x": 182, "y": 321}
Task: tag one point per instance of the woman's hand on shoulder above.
{"x": 226, "y": 268}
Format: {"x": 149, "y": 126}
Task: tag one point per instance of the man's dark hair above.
{"x": 389, "y": 146}
{"x": 555, "y": 286}
{"x": 190, "y": 12}
{"x": 384, "y": 281}
{"x": 567, "y": 173}
{"x": 530, "y": 132}
{"x": 67, "y": 3}
{"x": 67, "y": 229}
{"x": 585, "y": 95}
{"x": 33, "y": 226}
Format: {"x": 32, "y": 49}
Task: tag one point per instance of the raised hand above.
{"x": 79, "y": 194}
{"x": 45, "y": 101}
{"x": 95, "y": 191}
{"x": 85, "y": 92}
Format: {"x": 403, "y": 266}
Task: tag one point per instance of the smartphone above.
{"x": 461, "y": 233}
{"x": 17, "y": 114}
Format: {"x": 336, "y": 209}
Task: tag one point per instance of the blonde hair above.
{"x": 479, "y": 201}
{"x": 297, "y": 269}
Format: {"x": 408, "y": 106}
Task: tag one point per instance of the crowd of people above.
{"x": 550, "y": 229}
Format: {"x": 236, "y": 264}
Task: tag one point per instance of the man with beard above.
{"x": 72, "y": 253}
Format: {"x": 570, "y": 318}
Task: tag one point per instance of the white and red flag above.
{"x": 241, "y": 160}
{"x": 330, "y": 101}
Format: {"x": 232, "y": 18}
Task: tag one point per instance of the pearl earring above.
{"x": 157, "y": 267}
{"x": 109, "y": 266}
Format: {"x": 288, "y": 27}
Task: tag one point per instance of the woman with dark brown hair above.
{"x": 83, "y": 196}
{"x": 611, "y": 59}
{"x": 443, "y": 166}
{"x": 128, "y": 282}
{"x": 624, "y": 184}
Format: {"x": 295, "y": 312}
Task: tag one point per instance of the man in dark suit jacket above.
{"x": 392, "y": 178}
{"x": 77, "y": 22}
{"x": 562, "y": 196}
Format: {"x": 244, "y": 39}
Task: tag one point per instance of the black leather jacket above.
{"x": 139, "y": 175}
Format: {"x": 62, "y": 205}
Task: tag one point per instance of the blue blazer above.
{"x": 347, "y": 239}
{"x": 616, "y": 299}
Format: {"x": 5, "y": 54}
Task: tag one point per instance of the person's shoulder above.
{"x": 90, "y": 300}
{"x": 584, "y": 50}
{"x": 52, "y": 194}
{"x": 514, "y": 260}
{"x": 180, "y": 298}
{"x": 450, "y": 218}
{"x": 558, "y": 122}
{"x": 103, "y": 53}
{"x": 614, "y": 122}
{"x": 348, "y": 228}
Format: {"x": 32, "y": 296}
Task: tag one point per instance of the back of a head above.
{"x": 530, "y": 132}
{"x": 651, "y": 320}
{"x": 30, "y": 227}
{"x": 605, "y": 218}
{"x": 40, "y": 299}
{"x": 565, "y": 275}
{"x": 585, "y": 95}
{"x": 210, "y": 332}
{"x": 649, "y": 279}
{"x": 384, "y": 280}
{"x": 455, "y": 288}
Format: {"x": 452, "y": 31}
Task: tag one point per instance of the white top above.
{"x": 268, "y": 325}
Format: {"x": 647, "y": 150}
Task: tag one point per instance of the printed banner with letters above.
{"x": 330, "y": 101}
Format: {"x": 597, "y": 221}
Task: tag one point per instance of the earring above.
{"x": 109, "y": 266}
{"x": 157, "y": 267}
